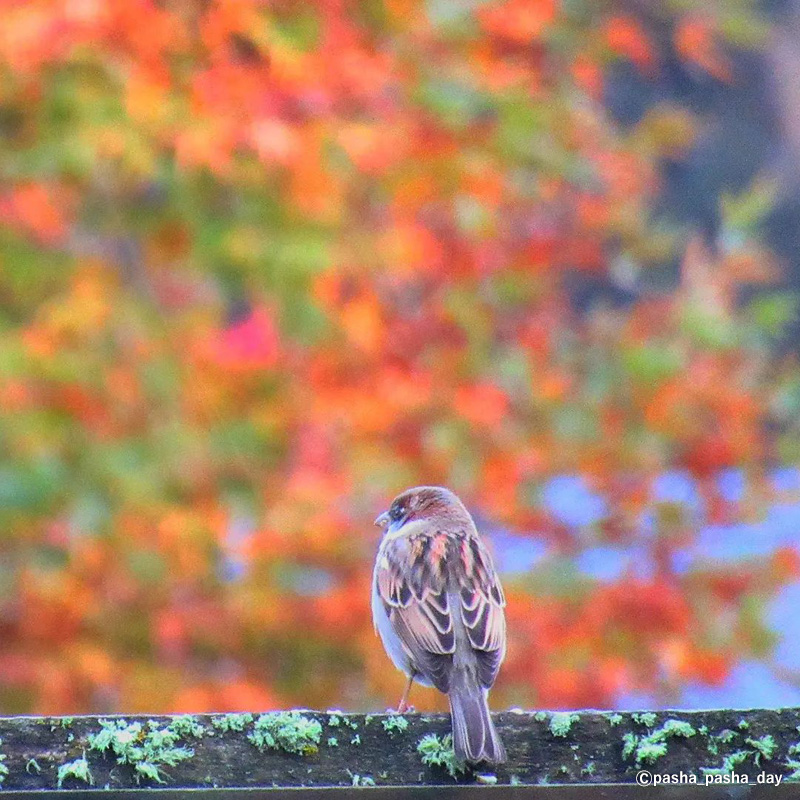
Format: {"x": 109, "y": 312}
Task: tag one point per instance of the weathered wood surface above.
{"x": 588, "y": 747}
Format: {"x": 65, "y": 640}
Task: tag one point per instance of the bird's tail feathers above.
{"x": 474, "y": 735}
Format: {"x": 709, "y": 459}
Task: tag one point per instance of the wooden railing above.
{"x": 725, "y": 753}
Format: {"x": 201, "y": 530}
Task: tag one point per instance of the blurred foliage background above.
{"x": 266, "y": 263}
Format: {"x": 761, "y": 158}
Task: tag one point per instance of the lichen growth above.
{"x": 187, "y": 725}
{"x": 337, "y": 718}
{"x": 78, "y": 769}
{"x": 147, "y": 748}
{"x": 648, "y": 719}
{"x": 395, "y": 723}
{"x": 614, "y": 719}
{"x": 561, "y": 722}
{"x": 648, "y": 749}
{"x": 360, "y": 780}
{"x": 436, "y": 752}
{"x": 629, "y": 742}
{"x": 793, "y": 765}
{"x": 676, "y": 727}
{"x": 650, "y": 752}
{"x": 3, "y": 767}
{"x": 725, "y": 736}
{"x": 232, "y": 722}
{"x": 32, "y": 764}
{"x": 764, "y": 748}
{"x": 290, "y": 731}
{"x": 729, "y": 763}
{"x": 356, "y": 739}
{"x": 333, "y": 741}
{"x": 759, "y": 748}
{"x": 540, "y": 716}
{"x": 743, "y": 725}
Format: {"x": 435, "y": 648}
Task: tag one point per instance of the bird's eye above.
{"x": 396, "y": 513}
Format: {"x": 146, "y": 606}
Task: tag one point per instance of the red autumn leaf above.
{"x": 626, "y": 37}
{"x": 248, "y": 345}
{"x": 695, "y": 41}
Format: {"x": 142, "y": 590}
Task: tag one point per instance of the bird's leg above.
{"x": 403, "y": 705}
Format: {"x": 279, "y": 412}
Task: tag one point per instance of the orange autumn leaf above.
{"x": 552, "y": 386}
{"x": 95, "y": 664}
{"x": 34, "y": 208}
{"x": 521, "y": 21}
{"x": 786, "y": 564}
{"x": 371, "y": 148}
{"x": 501, "y": 478}
{"x": 410, "y": 248}
{"x": 710, "y": 667}
{"x": 194, "y": 700}
{"x": 245, "y": 695}
{"x": 223, "y": 21}
{"x": 315, "y": 190}
{"x": 209, "y": 144}
{"x": 481, "y": 404}
{"x": 362, "y": 320}
{"x": 147, "y": 96}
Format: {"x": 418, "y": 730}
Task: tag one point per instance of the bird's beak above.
{"x": 382, "y": 520}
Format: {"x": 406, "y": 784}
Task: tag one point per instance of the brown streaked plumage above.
{"x": 438, "y": 607}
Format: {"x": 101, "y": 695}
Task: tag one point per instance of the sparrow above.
{"x": 437, "y": 605}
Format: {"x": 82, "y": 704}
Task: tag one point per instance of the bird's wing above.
{"x": 412, "y": 577}
{"x": 414, "y": 595}
{"x": 482, "y": 604}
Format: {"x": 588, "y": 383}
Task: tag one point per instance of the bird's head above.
{"x": 423, "y": 504}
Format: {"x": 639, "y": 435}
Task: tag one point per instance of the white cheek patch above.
{"x": 410, "y": 528}
{"x": 384, "y": 562}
